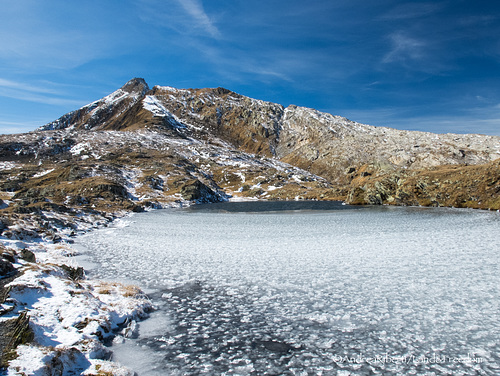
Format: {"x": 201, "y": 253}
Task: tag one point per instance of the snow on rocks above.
{"x": 8, "y": 165}
{"x": 43, "y": 173}
{"x": 152, "y": 104}
{"x": 70, "y": 317}
{"x": 79, "y": 148}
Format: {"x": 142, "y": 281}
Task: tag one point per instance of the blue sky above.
{"x": 431, "y": 66}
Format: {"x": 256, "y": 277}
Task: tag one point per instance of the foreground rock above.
{"x": 55, "y": 321}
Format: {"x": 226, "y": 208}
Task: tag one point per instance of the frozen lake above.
{"x": 328, "y": 290}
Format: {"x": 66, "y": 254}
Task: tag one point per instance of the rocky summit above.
{"x": 143, "y": 147}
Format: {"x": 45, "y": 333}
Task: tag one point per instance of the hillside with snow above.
{"x": 164, "y": 140}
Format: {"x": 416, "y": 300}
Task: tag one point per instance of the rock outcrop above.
{"x": 475, "y": 187}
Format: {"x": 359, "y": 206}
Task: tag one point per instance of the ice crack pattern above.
{"x": 364, "y": 292}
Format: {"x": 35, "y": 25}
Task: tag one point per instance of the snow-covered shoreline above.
{"x": 314, "y": 286}
{"x": 70, "y": 316}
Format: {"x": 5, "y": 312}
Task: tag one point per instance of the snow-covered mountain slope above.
{"x": 332, "y": 146}
{"x": 116, "y": 170}
{"x": 343, "y": 152}
{"x": 139, "y": 148}
{"x": 321, "y": 142}
{"x": 104, "y": 111}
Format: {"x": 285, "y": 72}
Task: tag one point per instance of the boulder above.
{"x": 197, "y": 191}
{"x": 28, "y": 256}
{"x": 74, "y": 274}
{"x": 6, "y": 268}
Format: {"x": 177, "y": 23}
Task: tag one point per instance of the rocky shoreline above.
{"x": 54, "y": 320}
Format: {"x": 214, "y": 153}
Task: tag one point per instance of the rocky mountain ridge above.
{"x": 303, "y": 135}
{"x": 140, "y": 147}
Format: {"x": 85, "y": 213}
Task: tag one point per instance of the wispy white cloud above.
{"x": 195, "y": 9}
{"x": 9, "y": 127}
{"x": 185, "y": 17}
{"x": 40, "y": 98}
{"x": 404, "y": 48}
{"x": 43, "y": 37}
{"x": 9, "y": 84}
{"x": 474, "y": 20}
{"x": 268, "y": 72}
{"x": 47, "y": 49}
{"x": 32, "y": 93}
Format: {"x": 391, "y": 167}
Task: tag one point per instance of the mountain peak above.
{"x": 104, "y": 111}
{"x": 136, "y": 85}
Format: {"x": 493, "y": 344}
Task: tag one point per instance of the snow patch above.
{"x": 241, "y": 175}
{"x": 79, "y": 148}
{"x": 43, "y": 173}
{"x": 153, "y": 105}
{"x": 8, "y": 165}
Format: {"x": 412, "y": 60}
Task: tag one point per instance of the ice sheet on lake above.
{"x": 383, "y": 291}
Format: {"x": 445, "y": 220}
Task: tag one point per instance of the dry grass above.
{"x": 128, "y": 291}
{"x": 6, "y": 195}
